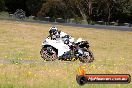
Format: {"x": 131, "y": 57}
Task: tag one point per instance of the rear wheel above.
{"x": 48, "y": 54}
{"x": 87, "y": 57}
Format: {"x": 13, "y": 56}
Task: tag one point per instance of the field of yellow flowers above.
{"x": 22, "y": 41}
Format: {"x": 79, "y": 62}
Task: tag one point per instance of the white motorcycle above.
{"x": 63, "y": 49}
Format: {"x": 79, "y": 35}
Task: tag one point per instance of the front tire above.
{"x": 87, "y": 57}
{"x": 48, "y": 56}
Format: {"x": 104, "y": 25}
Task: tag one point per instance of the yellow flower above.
{"x": 35, "y": 75}
{"x": 73, "y": 59}
{"x": 122, "y": 58}
{"x": 29, "y": 73}
{"x": 64, "y": 78}
{"x": 93, "y": 66}
{"x": 110, "y": 71}
{"x": 1, "y": 65}
{"x": 84, "y": 66}
{"x": 44, "y": 60}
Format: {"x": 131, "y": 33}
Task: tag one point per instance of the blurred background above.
{"x": 94, "y": 12}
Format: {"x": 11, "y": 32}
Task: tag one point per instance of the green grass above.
{"x": 22, "y": 41}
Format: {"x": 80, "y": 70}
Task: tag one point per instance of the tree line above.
{"x": 89, "y": 10}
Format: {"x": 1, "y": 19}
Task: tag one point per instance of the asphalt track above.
{"x": 119, "y": 28}
{"x": 107, "y": 27}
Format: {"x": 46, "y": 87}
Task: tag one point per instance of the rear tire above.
{"x": 47, "y": 56}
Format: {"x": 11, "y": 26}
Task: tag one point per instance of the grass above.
{"x": 22, "y": 41}
{"x": 4, "y": 15}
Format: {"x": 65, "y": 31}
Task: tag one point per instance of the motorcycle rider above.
{"x": 53, "y": 32}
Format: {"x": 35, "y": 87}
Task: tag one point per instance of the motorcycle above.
{"x": 79, "y": 50}
{"x": 63, "y": 49}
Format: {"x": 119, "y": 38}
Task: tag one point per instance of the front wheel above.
{"x": 48, "y": 54}
{"x": 87, "y": 57}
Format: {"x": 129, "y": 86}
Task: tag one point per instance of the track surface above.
{"x": 120, "y": 28}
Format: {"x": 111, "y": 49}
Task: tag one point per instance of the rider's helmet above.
{"x": 53, "y": 30}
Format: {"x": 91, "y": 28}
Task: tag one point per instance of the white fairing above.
{"x": 59, "y": 45}
{"x": 62, "y": 34}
